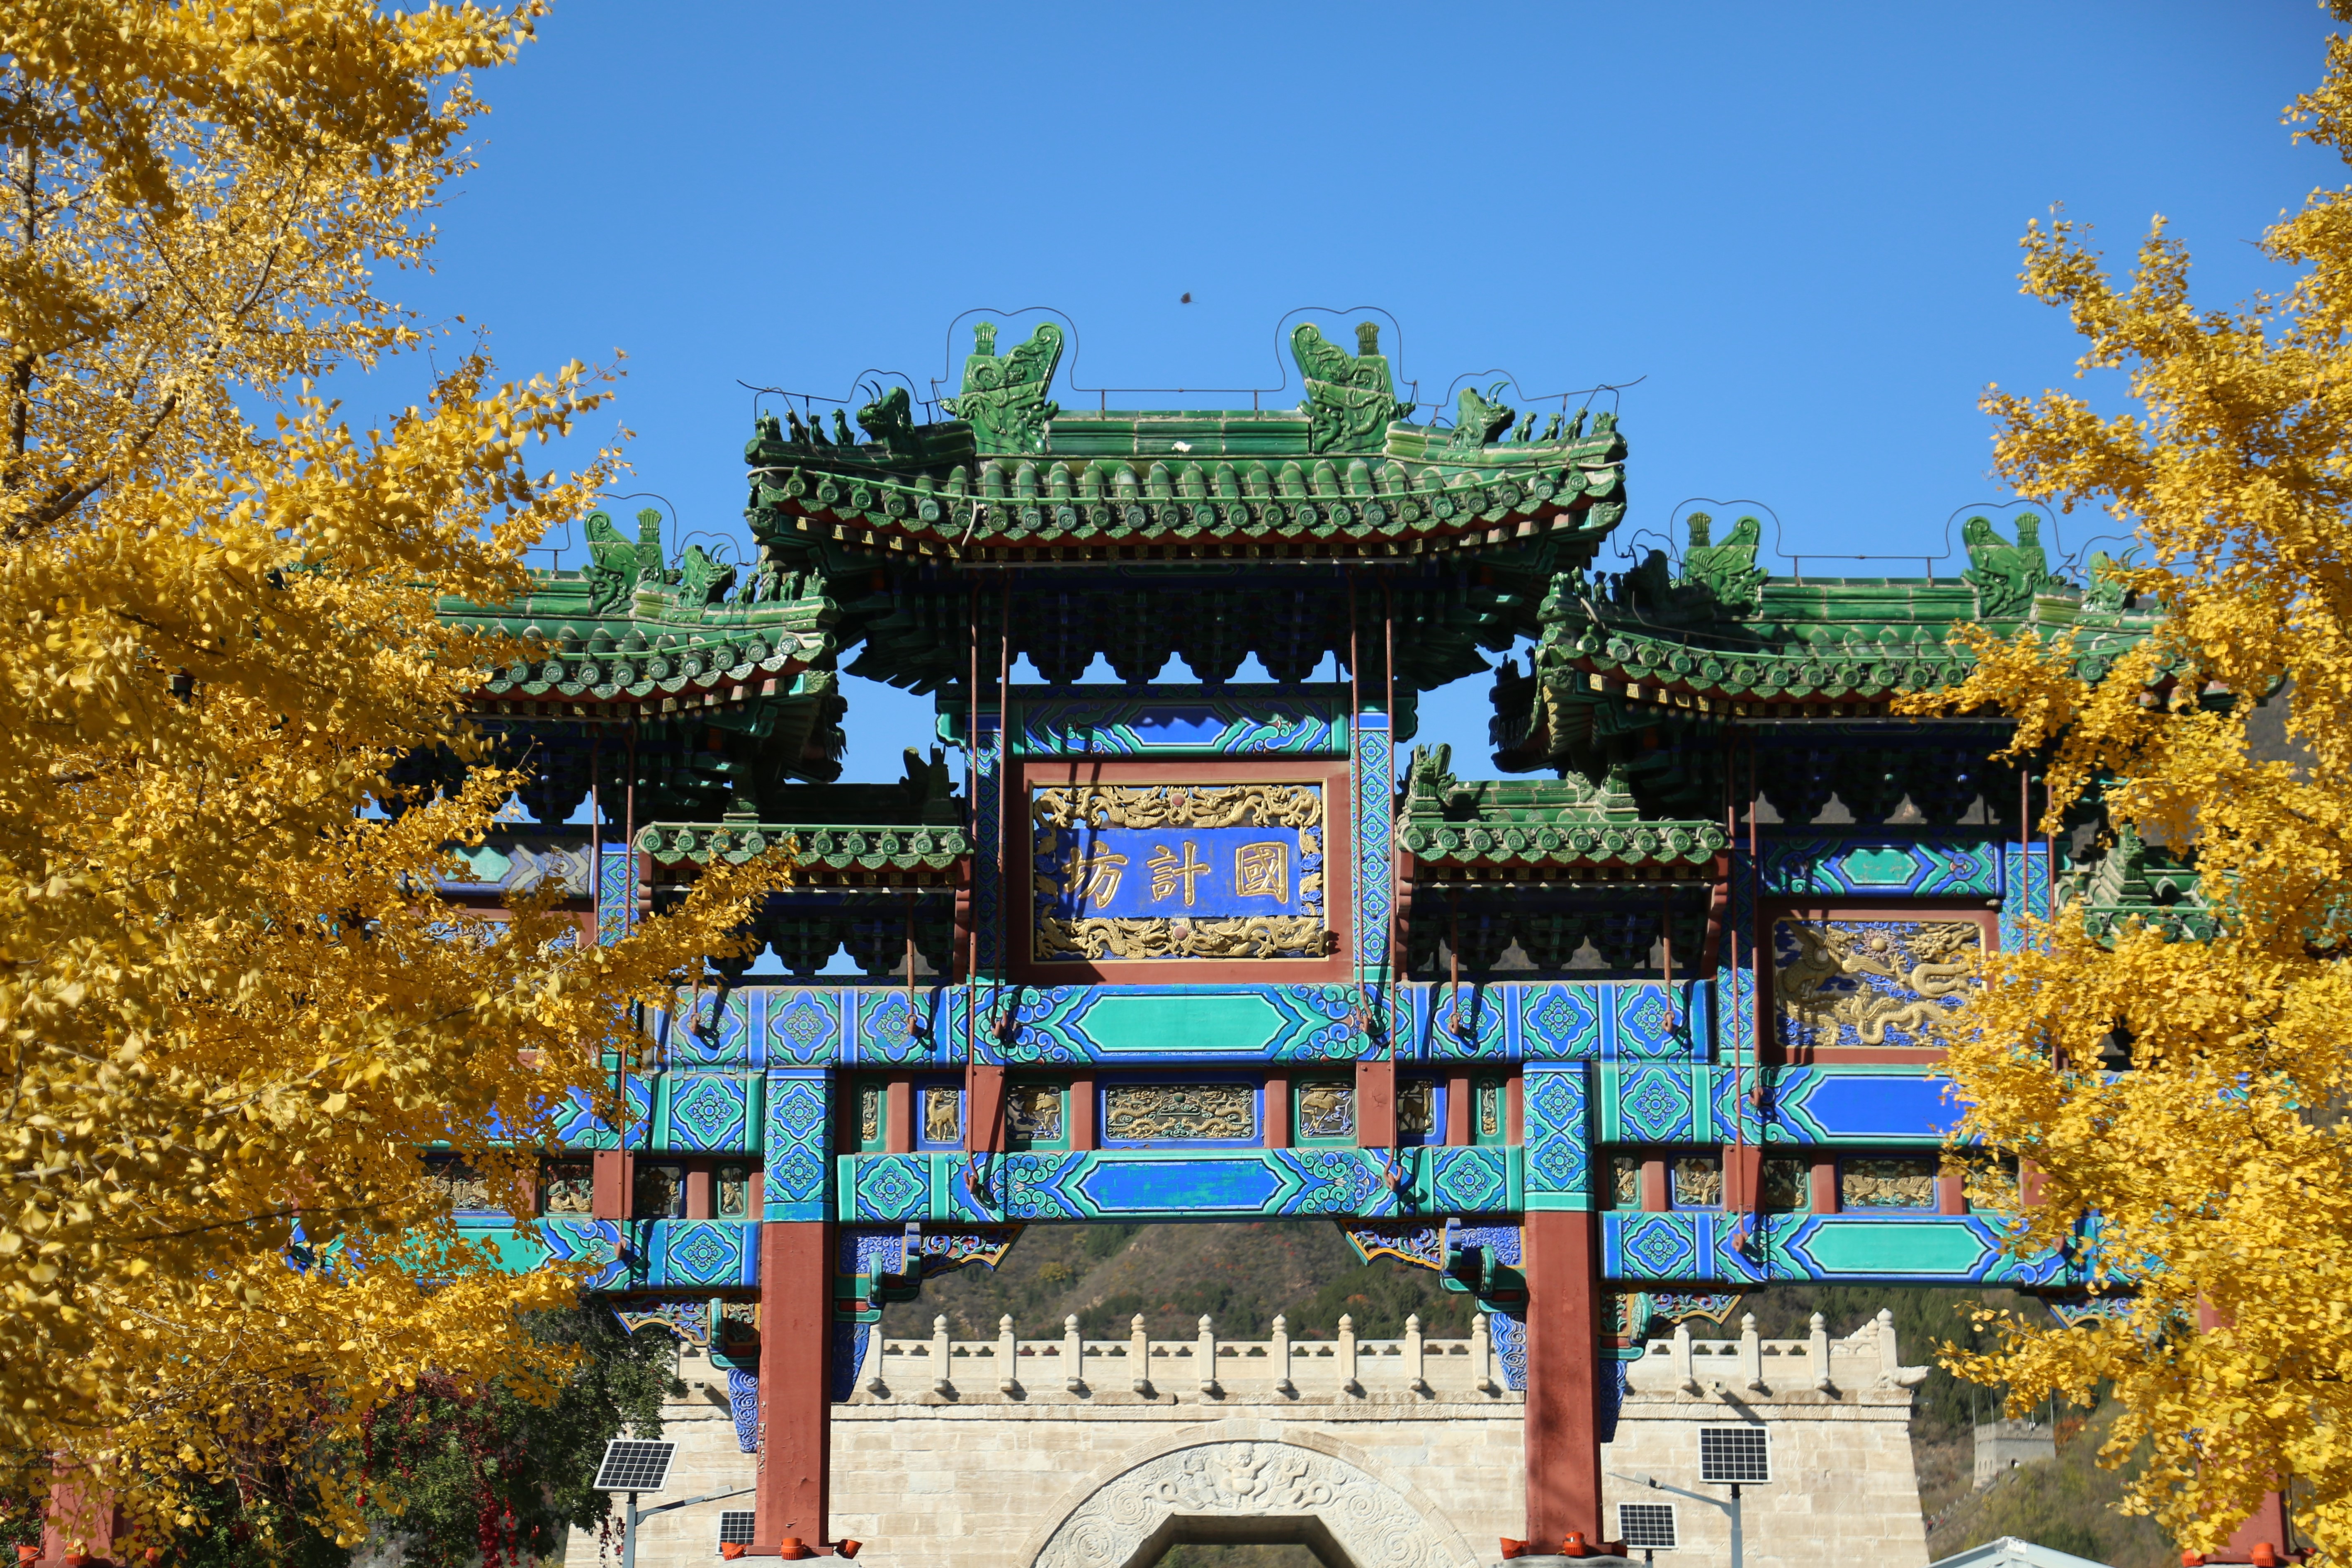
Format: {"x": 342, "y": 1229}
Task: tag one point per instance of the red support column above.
{"x": 1277, "y": 1110}
{"x": 608, "y": 1195}
{"x": 1563, "y": 1407}
{"x": 899, "y": 1117}
{"x": 1376, "y": 1105}
{"x": 983, "y": 1124}
{"x": 795, "y": 1397}
{"x": 1082, "y": 1112}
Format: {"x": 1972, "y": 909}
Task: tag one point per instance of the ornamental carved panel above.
{"x": 1870, "y": 982}
{"x": 1177, "y": 870}
{"x": 1369, "y": 1521}
{"x": 1180, "y": 1113}
{"x": 1327, "y": 1109}
{"x": 1906, "y": 1183}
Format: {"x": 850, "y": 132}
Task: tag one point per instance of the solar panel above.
{"x": 735, "y": 1525}
{"x": 1733, "y": 1456}
{"x": 635, "y": 1465}
{"x": 1650, "y": 1524}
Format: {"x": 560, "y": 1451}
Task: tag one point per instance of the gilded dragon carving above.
{"x": 1824, "y": 983}
{"x": 1214, "y": 936}
{"x": 1178, "y": 806}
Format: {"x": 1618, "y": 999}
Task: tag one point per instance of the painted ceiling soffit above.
{"x": 1012, "y": 476}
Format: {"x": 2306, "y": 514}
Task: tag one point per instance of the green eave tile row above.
{"x": 1632, "y": 843}
{"x": 1852, "y": 671}
{"x": 709, "y": 667}
{"x": 1013, "y": 509}
{"x": 2179, "y": 923}
{"x": 1643, "y": 659}
{"x": 864, "y": 847}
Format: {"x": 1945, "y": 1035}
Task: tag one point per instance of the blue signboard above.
{"x": 1163, "y": 873}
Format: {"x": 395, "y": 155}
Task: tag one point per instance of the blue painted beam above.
{"x": 1170, "y": 1184}
{"x": 1923, "y": 1249}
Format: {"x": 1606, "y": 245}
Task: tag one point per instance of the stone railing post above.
{"x": 1751, "y": 1354}
{"x": 1482, "y": 1355}
{"x": 1008, "y": 1355}
{"x": 1206, "y": 1351}
{"x": 1415, "y": 1360}
{"x": 1686, "y": 1374}
{"x": 941, "y": 1384}
{"x": 1281, "y": 1369}
{"x": 1074, "y": 1355}
{"x": 877, "y": 1347}
{"x": 1817, "y": 1352}
{"x": 1348, "y": 1384}
{"x": 1889, "y": 1364}
{"x": 1140, "y": 1347}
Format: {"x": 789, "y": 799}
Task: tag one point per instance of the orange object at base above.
{"x": 791, "y": 1549}
{"x": 730, "y": 1550}
{"x": 1514, "y": 1548}
{"x": 848, "y": 1548}
{"x": 2264, "y": 1555}
{"x": 1575, "y": 1545}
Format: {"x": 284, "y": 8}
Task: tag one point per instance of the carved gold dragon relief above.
{"x": 1821, "y": 987}
{"x": 1178, "y": 806}
{"x": 1220, "y": 936}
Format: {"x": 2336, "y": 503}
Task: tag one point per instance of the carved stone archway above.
{"x": 1257, "y": 1489}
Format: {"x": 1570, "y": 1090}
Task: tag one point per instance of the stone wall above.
{"x": 1386, "y": 1476}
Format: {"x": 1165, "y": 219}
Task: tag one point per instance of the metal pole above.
{"x": 1736, "y": 1542}
{"x": 629, "y": 1537}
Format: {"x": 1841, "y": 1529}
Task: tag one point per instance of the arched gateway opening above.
{"x": 1254, "y": 1491}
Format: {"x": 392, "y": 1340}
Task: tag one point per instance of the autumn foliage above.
{"x": 2210, "y": 1184}
{"x": 231, "y": 1012}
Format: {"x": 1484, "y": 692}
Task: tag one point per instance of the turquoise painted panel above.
{"x": 1059, "y": 1024}
{"x": 799, "y": 1124}
{"x": 1555, "y": 1103}
{"x": 1918, "y": 1246}
{"x": 578, "y": 1126}
{"x": 708, "y": 1113}
{"x": 712, "y": 1028}
{"x": 1856, "y": 866}
{"x": 1692, "y": 1247}
{"x": 804, "y": 1024}
{"x": 1448, "y": 1181}
{"x": 1559, "y": 1022}
{"x": 667, "y": 1253}
{"x": 888, "y": 1189}
{"x": 1143, "y": 1024}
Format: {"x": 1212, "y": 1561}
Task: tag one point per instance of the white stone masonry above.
{"x": 1406, "y": 1452}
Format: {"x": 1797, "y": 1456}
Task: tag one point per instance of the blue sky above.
{"x": 1795, "y": 228}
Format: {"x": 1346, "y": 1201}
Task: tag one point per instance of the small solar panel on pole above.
{"x": 634, "y": 1465}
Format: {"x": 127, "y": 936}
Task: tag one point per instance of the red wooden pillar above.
{"x": 1376, "y": 1105}
{"x": 983, "y": 1122}
{"x": 1563, "y": 1406}
{"x": 80, "y": 1518}
{"x": 899, "y": 1117}
{"x": 795, "y": 1395}
{"x": 612, "y": 1172}
{"x": 1276, "y": 1109}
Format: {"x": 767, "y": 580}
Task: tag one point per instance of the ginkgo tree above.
{"x": 2210, "y": 1184}
{"x": 231, "y": 1012}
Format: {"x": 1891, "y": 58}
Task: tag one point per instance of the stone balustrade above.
{"x": 1749, "y": 1368}
{"x": 1205, "y": 1369}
